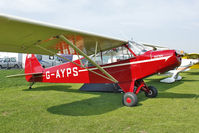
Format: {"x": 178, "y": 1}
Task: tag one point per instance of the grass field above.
{"x": 63, "y": 108}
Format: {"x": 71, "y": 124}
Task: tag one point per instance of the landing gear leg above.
{"x": 31, "y": 84}
{"x": 129, "y": 98}
{"x": 150, "y": 91}
{"x": 131, "y": 90}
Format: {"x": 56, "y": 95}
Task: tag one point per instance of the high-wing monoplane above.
{"x": 101, "y": 59}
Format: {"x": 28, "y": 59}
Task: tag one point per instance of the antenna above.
{"x": 124, "y": 35}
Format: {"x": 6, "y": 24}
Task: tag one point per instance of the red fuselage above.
{"x": 132, "y": 69}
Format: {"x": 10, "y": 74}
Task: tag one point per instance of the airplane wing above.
{"x": 21, "y": 35}
{"x": 25, "y": 36}
{"x": 155, "y": 47}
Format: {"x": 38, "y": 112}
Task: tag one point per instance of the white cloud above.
{"x": 27, "y": 6}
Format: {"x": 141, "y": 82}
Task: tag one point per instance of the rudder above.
{"x": 32, "y": 65}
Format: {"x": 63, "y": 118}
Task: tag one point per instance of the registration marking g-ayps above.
{"x": 63, "y": 73}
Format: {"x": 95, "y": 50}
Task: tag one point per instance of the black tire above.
{"x": 16, "y": 66}
{"x": 0, "y": 67}
{"x": 130, "y": 99}
{"x": 153, "y": 92}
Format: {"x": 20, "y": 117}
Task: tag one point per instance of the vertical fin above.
{"x": 32, "y": 65}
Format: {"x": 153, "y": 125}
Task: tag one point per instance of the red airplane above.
{"x": 100, "y": 59}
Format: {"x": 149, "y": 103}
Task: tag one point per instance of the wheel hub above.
{"x": 128, "y": 100}
{"x": 150, "y": 92}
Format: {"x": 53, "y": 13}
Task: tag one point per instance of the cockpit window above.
{"x": 137, "y": 48}
{"x": 116, "y": 54}
{"x": 109, "y": 56}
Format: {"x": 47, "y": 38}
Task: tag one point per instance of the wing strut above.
{"x": 88, "y": 58}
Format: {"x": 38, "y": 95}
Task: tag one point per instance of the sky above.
{"x": 168, "y": 23}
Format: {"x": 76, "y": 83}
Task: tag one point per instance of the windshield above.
{"x": 137, "y": 48}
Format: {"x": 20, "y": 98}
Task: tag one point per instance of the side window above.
{"x": 7, "y": 60}
{"x": 98, "y": 60}
{"x": 116, "y": 54}
{"x": 13, "y": 60}
{"x": 109, "y": 56}
{"x": 87, "y": 63}
{"x": 127, "y": 54}
{"x": 84, "y": 62}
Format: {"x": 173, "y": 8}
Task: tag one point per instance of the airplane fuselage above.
{"x": 134, "y": 68}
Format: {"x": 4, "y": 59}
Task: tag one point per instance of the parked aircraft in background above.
{"x": 194, "y": 56}
{"x": 188, "y": 61}
{"x": 105, "y": 59}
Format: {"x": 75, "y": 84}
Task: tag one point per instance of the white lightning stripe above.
{"x": 135, "y": 62}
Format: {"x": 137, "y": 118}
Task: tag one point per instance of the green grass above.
{"x": 63, "y": 108}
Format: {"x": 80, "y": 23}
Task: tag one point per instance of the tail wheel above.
{"x": 130, "y": 99}
{"x": 153, "y": 92}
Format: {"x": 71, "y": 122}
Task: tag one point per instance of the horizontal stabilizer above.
{"x": 23, "y": 75}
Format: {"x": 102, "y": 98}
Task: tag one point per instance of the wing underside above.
{"x": 21, "y": 35}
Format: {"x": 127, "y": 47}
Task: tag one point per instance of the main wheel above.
{"x": 130, "y": 99}
{"x": 16, "y": 66}
{"x": 153, "y": 92}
